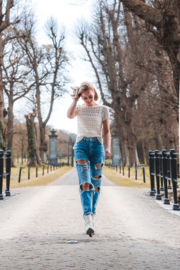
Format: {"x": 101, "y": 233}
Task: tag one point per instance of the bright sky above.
{"x": 67, "y": 15}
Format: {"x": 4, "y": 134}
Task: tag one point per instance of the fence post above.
{"x": 43, "y": 169}
{"x": 135, "y": 173}
{"x": 36, "y": 171}
{"x": 144, "y": 179}
{"x": 151, "y": 170}
{"x": 158, "y": 196}
{"x": 1, "y": 173}
{"x": 19, "y": 180}
{"x": 162, "y": 187}
{"x": 164, "y": 172}
{"x": 177, "y": 174}
{"x": 123, "y": 169}
{"x": 173, "y": 169}
{"x": 168, "y": 173}
{"x": 129, "y": 172}
{"x": 28, "y": 172}
{"x": 8, "y": 172}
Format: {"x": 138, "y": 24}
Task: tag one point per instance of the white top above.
{"x": 89, "y": 121}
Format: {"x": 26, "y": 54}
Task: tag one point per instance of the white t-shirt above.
{"x": 89, "y": 121}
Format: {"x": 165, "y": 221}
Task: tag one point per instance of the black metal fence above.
{"x": 37, "y": 169}
{"x": 163, "y": 174}
{"x": 7, "y": 173}
{"x": 121, "y": 169}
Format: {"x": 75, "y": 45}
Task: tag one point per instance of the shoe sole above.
{"x": 90, "y": 231}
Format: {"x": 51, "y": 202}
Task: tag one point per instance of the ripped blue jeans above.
{"x": 91, "y": 150}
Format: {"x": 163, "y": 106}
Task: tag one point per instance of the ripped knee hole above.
{"x": 85, "y": 186}
{"x": 80, "y": 161}
{"x": 97, "y": 177}
{"x": 99, "y": 165}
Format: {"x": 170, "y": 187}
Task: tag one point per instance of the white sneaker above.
{"x": 89, "y": 224}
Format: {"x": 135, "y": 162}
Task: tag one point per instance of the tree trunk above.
{"x": 140, "y": 151}
{"x": 137, "y": 159}
{"x": 158, "y": 139}
{"x": 42, "y": 128}
{"x": 43, "y": 143}
{"x": 131, "y": 144}
{"x": 31, "y": 139}
{"x": 176, "y": 136}
{"x": 1, "y": 83}
{"x": 37, "y": 154}
{"x": 22, "y": 151}
{"x": 146, "y": 150}
{"x": 144, "y": 154}
{"x": 10, "y": 125}
{"x": 121, "y": 136}
{"x": 127, "y": 155}
{"x": 3, "y": 142}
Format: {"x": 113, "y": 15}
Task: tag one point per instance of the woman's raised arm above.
{"x": 72, "y": 112}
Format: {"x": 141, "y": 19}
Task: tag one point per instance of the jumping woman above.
{"x": 89, "y": 149}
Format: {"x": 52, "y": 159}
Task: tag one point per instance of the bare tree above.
{"x": 33, "y": 156}
{"x": 122, "y": 78}
{"x": 48, "y": 63}
{"x": 163, "y": 20}
{"x": 132, "y": 71}
{"x": 16, "y": 80}
{"x": 9, "y": 29}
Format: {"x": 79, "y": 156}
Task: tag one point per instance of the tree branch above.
{"x": 6, "y": 22}
{"x": 144, "y": 11}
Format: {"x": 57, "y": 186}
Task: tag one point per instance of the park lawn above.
{"x": 41, "y": 180}
{"x": 124, "y": 181}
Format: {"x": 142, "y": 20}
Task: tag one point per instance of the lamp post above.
{"x": 53, "y": 147}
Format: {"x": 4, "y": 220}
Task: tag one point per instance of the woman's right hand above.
{"x": 77, "y": 96}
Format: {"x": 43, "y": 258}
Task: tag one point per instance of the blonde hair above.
{"x": 85, "y": 86}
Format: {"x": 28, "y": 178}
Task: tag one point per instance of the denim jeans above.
{"x": 91, "y": 150}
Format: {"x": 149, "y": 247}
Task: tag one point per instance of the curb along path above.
{"x": 132, "y": 230}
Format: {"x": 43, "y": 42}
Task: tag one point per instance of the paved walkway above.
{"x": 132, "y": 230}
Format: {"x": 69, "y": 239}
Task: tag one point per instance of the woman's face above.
{"x": 88, "y": 97}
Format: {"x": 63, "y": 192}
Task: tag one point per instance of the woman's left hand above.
{"x": 107, "y": 153}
